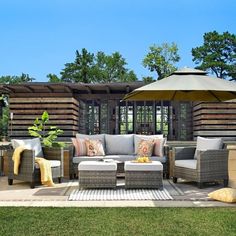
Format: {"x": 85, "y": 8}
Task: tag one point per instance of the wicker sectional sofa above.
{"x": 117, "y": 147}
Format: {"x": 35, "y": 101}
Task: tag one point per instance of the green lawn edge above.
{"x": 117, "y": 221}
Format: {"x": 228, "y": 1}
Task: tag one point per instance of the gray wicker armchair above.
{"x": 209, "y": 166}
{"x": 30, "y": 172}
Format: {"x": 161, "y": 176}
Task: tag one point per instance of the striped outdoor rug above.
{"x": 119, "y": 194}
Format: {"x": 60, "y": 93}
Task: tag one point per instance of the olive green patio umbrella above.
{"x": 186, "y": 85}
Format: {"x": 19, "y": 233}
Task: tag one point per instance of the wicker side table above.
{"x": 96, "y": 174}
{"x": 232, "y": 166}
{"x": 143, "y": 175}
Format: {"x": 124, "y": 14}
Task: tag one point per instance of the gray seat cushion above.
{"x": 121, "y": 157}
{"x": 54, "y": 163}
{"x": 79, "y": 159}
{"x": 190, "y": 164}
{"x": 119, "y": 144}
{"x": 161, "y": 159}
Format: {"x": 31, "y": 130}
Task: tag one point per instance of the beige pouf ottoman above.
{"x": 97, "y": 174}
{"x": 143, "y": 175}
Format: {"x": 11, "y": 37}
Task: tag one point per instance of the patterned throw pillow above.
{"x": 145, "y": 148}
{"x": 80, "y": 146}
{"x": 158, "y": 149}
{"x": 94, "y": 147}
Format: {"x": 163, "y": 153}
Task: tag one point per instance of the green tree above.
{"x": 217, "y": 54}
{"x": 81, "y": 69}
{"x": 112, "y": 68}
{"x": 148, "y": 79}
{"x": 161, "y": 59}
{"x": 54, "y": 78}
{"x": 16, "y": 79}
{"x": 102, "y": 68}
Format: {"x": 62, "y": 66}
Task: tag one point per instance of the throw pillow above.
{"x": 32, "y": 144}
{"x": 158, "y": 149}
{"x": 224, "y": 195}
{"x": 94, "y": 147}
{"x": 145, "y": 148}
{"x": 204, "y": 144}
{"x": 138, "y": 138}
{"x": 80, "y": 146}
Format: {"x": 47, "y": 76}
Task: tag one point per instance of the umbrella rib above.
{"x": 131, "y": 95}
{"x": 172, "y": 98}
{"x": 214, "y": 95}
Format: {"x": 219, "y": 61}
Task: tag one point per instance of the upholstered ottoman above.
{"x": 97, "y": 174}
{"x": 143, "y": 175}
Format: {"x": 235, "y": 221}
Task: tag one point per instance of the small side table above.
{"x": 4, "y": 146}
{"x": 232, "y": 166}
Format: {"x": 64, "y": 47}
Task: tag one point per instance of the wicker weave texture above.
{"x": 144, "y": 179}
{"x": 212, "y": 165}
{"x": 97, "y": 179}
{"x": 27, "y": 170}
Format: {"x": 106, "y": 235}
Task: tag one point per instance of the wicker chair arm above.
{"x": 27, "y": 161}
{"x": 183, "y": 153}
{"x": 213, "y": 159}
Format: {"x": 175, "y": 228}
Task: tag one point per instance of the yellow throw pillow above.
{"x": 224, "y": 195}
{"x": 145, "y": 148}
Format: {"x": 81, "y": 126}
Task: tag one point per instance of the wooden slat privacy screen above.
{"x": 215, "y": 119}
{"x": 63, "y": 112}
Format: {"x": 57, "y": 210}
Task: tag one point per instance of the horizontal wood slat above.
{"x": 214, "y": 119}
{"x": 63, "y": 113}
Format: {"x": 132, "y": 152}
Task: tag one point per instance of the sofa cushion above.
{"x": 138, "y": 137}
{"x": 204, "y": 144}
{"x": 32, "y": 144}
{"x": 190, "y": 164}
{"x": 80, "y": 146}
{"x": 94, "y": 147}
{"x": 157, "y": 158}
{"x": 100, "y": 137}
{"x": 121, "y": 157}
{"x": 145, "y": 148}
{"x": 119, "y": 144}
{"x": 97, "y": 166}
{"x": 79, "y": 159}
{"x": 158, "y": 148}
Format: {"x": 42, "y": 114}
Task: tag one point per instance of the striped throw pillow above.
{"x": 158, "y": 149}
{"x": 80, "y": 146}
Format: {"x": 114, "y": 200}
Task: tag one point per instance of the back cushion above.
{"x": 138, "y": 138}
{"x": 80, "y": 146}
{"x": 32, "y": 144}
{"x": 204, "y": 144}
{"x": 119, "y": 144}
{"x": 100, "y": 137}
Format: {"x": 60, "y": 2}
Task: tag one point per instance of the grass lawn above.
{"x": 117, "y": 221}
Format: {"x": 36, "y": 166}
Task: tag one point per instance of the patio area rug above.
{"x": 119, "y": 194}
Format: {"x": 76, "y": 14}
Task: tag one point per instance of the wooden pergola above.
{"x": 98, "y": 108}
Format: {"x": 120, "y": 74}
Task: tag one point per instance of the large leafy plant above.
{"x": 47, "y": 134}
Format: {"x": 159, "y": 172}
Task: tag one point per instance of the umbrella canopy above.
{"x": 186, "y": 85}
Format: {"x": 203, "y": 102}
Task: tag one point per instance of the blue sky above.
{"x": 39, "y": 37}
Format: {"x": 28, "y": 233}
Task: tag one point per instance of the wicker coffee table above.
{"x": 143, "y": 175}
{"x": 97, "y": 174}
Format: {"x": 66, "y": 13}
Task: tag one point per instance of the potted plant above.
{"x": 47, "y": 134}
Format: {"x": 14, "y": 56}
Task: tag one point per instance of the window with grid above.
{"x": 126, "y": 112}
